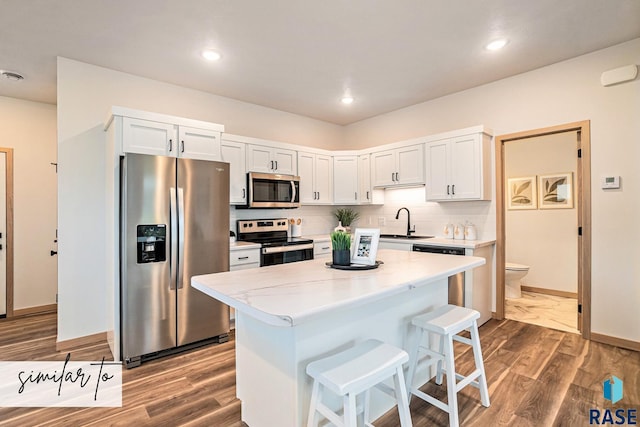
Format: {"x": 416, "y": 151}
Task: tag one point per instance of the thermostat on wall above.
{"x": 610, "y": 182}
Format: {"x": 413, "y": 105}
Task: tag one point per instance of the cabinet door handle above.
{"x": 453, "y": 189}
{"x": 356, "y": 195}
{"x": 242, "y": 257}
{"x": 448, "y": 190}
{"x": 244, "y": 193}
{"x": 170, "y": 145}
{"x": 397, "y": 176}
{"x": 271, "y": 162}
{"x": 326, "y": 248}
{"x": 318, "y": 195}
{"x": 276, "y": 165}
{"x": 182, "y": 146}
{"x": 367, "y": 195}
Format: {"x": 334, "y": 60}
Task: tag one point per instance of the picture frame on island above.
{"x": 365, "y": 246}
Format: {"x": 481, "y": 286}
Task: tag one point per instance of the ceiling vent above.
{"x": 12, "y": 75}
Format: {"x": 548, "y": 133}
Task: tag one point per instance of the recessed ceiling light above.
{"x": 211, "y": 55}
{"x": 347, "y": 99}
{"x": 496, "y": 44}
{"x": 11, "y": 75}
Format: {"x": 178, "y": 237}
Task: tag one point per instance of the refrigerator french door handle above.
{"x": 173, "y": 215}
{"x": 181, "y": 214}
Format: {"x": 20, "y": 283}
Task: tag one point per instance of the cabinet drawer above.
{"x": 244, "y": 256}
{"x": 321, "y": 248}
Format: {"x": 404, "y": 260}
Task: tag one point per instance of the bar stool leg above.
{"x": 452, "y": 395}
{"x": 413, "y": 361}
{"x": 350, "y": 413}
{"x": 477, "y": 355}
{"x": 402, "y": 399}
{"x": 439, "y": 365}
{"x": 312, "y": 420}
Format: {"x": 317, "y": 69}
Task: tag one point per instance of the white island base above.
{"x": 292, "y": 314}
{"x": 271, "y": 361}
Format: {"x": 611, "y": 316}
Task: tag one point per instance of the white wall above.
{"x": 85, "y": 95}
{"x": 544, "y": 239}
{"x": 561, "y": 93}
{"x": 30, "y": 129}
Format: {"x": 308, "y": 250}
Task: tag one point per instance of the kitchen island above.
{"x": 291, "y": 314}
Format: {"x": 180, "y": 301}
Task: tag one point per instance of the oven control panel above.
{"x": 262, "y": 225}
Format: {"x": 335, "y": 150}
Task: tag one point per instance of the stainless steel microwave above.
{"x": 271, "y": 190}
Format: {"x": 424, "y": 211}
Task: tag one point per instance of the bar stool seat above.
{"x": 447, "y": 321}
{"x": 353, "y": 372}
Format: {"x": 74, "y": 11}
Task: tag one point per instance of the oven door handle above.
{"x": 293, "y": 248}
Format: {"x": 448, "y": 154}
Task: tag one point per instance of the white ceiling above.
{"x": 301, "y": 55}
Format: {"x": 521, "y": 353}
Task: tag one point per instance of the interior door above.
{"x": 3, "y": 233}
{"x": 203, "y": 204}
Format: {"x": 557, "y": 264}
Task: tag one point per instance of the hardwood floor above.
{"x": 536, "y": 376}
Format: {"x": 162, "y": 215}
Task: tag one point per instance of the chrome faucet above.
{"x": 409, "y": 230}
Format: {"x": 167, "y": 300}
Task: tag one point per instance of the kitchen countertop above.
{"x": 236, "y": 246}
{"x": 434, "y": 241}
{"x": 294, "y": 293}
{"x": 441, "y": 241}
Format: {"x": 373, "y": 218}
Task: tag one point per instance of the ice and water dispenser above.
{"x": 152, "y": 243}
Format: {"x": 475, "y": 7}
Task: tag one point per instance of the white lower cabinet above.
{"x": 242, "y": 259}
{"x": 322, "y": 249}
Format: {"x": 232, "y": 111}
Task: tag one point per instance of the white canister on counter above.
{"x": 470, "y": 232}
{"x": 448, "y": 231}
{"x": 458, "y": 232}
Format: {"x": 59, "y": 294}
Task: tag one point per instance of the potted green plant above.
{"x": 346, "y": 216}
{"x": 341, "y": 245}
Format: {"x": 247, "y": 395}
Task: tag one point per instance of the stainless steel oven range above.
{"x": 277, "y": 248}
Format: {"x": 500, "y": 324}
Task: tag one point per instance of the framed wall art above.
{"x": 522, "y": 193}
{"x": 365, "y": 246}
{"x": 555, "y": 191}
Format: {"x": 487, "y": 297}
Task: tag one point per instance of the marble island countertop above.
{"x": 290, "y": 294}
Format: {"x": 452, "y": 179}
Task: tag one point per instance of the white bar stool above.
{"x": 353, "y": 372}
{"x": 447, "y": 321}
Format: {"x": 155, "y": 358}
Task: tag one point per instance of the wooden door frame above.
{"x": 583, "y": 195}
{"x": 8, "y": 241}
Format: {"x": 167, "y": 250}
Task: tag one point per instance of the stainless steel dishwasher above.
{"x": 456, "y": 282}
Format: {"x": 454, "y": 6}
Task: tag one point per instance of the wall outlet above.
{"x": 382, "y": 221}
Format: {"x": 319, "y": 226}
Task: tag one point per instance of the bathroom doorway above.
{"x": 543, "y": 198}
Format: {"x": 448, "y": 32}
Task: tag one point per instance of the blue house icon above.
{"x": 612, "y": 389}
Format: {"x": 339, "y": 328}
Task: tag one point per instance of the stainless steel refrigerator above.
{"x": 174, "y": 220}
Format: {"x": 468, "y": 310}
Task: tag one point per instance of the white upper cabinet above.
{"x": 234, "y": 153}
{"x": 316, "y": 178}
{"x": 459, "y": 168}
{"x": 261, "y": 158}
{"x": 345, "y": 178}
{"x": 148, "y": 137}
{"x": 398, "y": 166}
{"x": 200, "y": 144}
{"x": 162, "y": 135}
{"x": 365, "y": 190}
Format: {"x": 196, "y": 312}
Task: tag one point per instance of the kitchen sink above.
{"x": 403, "y": 236}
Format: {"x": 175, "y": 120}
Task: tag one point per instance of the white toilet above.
{"x": 512, "y": 278}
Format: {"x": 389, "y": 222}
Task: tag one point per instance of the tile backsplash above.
{"x": 429, "y": 218}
